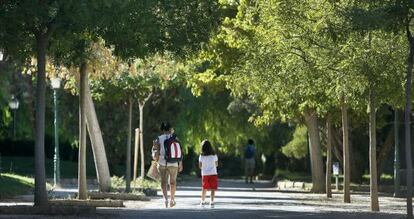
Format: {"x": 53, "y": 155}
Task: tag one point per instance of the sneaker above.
{"x": 211, "y": 204}
{"x": 202, "y": 204}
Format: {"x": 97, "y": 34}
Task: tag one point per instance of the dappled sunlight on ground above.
{"x": 235, "y": 199}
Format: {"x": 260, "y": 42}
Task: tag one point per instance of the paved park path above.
{"x": 237, "y": 200}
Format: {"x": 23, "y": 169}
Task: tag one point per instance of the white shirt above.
{"x": 162, "y": 160}
{"x": 208, "y": 165}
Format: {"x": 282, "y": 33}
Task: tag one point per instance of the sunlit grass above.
{"x": 13, "y": 185}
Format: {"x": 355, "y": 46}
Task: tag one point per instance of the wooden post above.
{"x": 337, "y": 182}
{"x": 136, "y": 153}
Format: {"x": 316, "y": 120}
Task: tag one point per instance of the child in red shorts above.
{"x": 208, "y": 162}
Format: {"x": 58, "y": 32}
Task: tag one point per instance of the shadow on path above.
{"x": 239, "y": 214}
{"x": 238, "y": 200}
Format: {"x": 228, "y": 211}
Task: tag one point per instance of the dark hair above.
{"x": 206, "y": 148}
{"x": 250, "y": 141}
{"x": 165, "y": 126}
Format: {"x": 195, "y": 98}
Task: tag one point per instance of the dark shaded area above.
{"x": 237, "y": 213}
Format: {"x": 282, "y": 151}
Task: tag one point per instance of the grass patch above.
{"x": 145, "y": 184}
{"x": 386, "y": 179}
{"x": 68, "y": 169}
{"x": 118, "y": 183}
{"x": 12, "y": 185}
{"x": 25, "y": 166}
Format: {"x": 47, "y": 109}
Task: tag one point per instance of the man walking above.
{"x": 250, "y": 163}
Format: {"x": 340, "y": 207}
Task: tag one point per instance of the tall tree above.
{"x": 39, "y": 20}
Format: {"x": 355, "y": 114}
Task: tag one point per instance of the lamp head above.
{"x": 55, "y": 83}
{"x": 14, "y": 103}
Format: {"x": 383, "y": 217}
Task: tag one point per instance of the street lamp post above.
{"x": 14, "y": 105}
{"x": 56, "y": 159}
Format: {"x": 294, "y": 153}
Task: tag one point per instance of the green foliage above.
{"x": 258, "y": 63}
{"x": 224, "y": 121}
{"x": 145, "y": 184}
{"x": 298, "y": 146}
{"x": 117, "y": 182}
{"x": 140, "y": 28}
{"x": 137, "y": 79}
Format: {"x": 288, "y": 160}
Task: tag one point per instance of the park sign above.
{"x": 335, "y": 168}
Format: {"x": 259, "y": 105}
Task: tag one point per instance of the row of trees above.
{"x": 66, "y": 32}
{"x": 307, "y": 62}
{"x": 312, "y": 62}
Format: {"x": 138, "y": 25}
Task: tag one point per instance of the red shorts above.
{"x": 210, "y": 182}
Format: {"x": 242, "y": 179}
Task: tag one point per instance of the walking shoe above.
{"x": 172, "y": 203}
{"x": 202, "y": 204}
{"x": 211, "y": 204}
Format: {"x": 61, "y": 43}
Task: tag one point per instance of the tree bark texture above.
{"x": 141, "y": 138}
{"x": 98, "y": 146}
{"x": 328, "y": 156}
{"x": 318, "y": 181}
{"x": 136, "y": 150}
{"x": 128, "y": 149}
{"x": 82, "y": 187}
{"x": 40, "y": 195}
{"x": 346, "y": 160}
{"x": 407, "y": 128}
{"x": 373, "y": 151}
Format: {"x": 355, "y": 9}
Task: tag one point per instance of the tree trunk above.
{"x": 328, "y": 156}
{"x": 141, "y": 129}
{"x": 128, "y": 149}
{"x": 82, "y": 187}
{"x": 40, "y": 195}
{"x": 98, "y": 147}
{"x": 318, "y": 182}
{"x": 136, "y": 148}
{"x": 397, "y": 177}
{"x": 345, "y": 143}
{"x": 373, "y": 151}
{"x": 407, "y": 113}
{"x": 141, "y": 138}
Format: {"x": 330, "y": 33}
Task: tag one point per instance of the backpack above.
{"x": 172, "y": 148}
{"x": 249, "y": 153}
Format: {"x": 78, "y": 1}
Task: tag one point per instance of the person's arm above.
{"x": 216, "y": 162}
{"x": 200, "y": 165}
{"x": 180, "y": 166}
{"x": 156, "y": 150}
